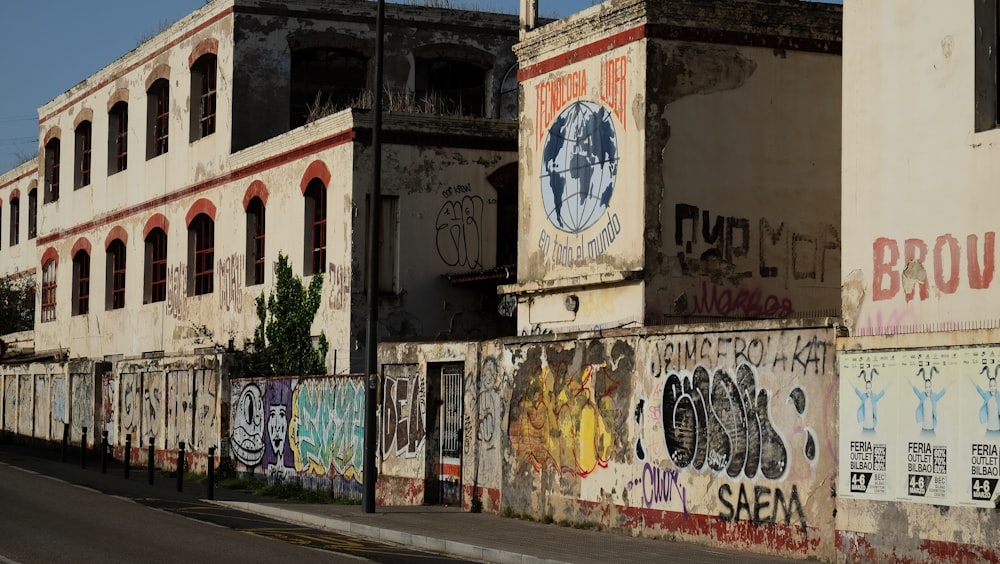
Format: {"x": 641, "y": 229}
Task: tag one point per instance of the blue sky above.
{"x": 47, "y": 46}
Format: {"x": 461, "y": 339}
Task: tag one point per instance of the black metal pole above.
{"x": 104, "y": 452}
{"x": 180, "y": 467}
{"x": 211, "y": 472}
{"x": 150, "y": 461}
{"x": 83, "y": 449}
{"x": 65, "y": 441}
{"x": 128, "y": 454}
{"x": 374, "y": 215}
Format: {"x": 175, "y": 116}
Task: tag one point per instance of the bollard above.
{"x": 83, "y": 449}
{"x": 211, "y": 472}
{"x": 149, "y": 461}
{"x": 104, "y": 452}
{"x": 180, "y": 466}
{"x": 65, "y": 442}
{"x": 128, "y": 453}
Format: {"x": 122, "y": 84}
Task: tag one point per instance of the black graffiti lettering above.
{"x": 810, "y": 352}
{"x": 767, "y": 506}
{"x": 712, "y": 419}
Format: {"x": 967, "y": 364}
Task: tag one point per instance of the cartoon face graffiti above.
{"x": 277, "y": 427}
{"x": 248, "y": 426}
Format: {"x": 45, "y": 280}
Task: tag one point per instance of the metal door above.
{"x": 450, "y": 473}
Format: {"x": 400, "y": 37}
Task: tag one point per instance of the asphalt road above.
{"x": 53, "y": 513}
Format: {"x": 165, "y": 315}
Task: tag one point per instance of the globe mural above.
{"x": 579, "y": 166}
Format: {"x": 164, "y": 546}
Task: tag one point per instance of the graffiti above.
{"x": 660, "y": 486}
{"x": 484, "y": 419}
{"x": 340, "y": 286}
{"x": 152, "y": 400}
{"x": 567, "y": 423}
{"x": 912, "y": 277}
{"x": 130, "y": 406}
{"x": 739, "y": 302}
{"x": 327, "y": 427}
{"x": 277, "y": 457}
{"x": 248, "y": 426}
{"x": 459, "y": 232}
{"x": 767, "y": 506}
{"x": 403, "y": 416}
{"x": 108, "y": 402}
{"x": 507, "y": 306}
{"x": 456, "y": 189}
{"x": 798, "y": 398}
{"x": 59, "y": 400}
{"x": 807, "y": 353}
{"x": 232, "y": 277}
{"x": 205, "y": 404}
{"x": 782, "y": 252}
{"x": 722, "y": 424}
{"x": 176, "y": 290}
{"x": 535, "y": 330}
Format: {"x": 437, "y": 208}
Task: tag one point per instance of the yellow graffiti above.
{"x": 566, "y": 429}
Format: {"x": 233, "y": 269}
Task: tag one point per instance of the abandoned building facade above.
{"x": 644, "y": 266}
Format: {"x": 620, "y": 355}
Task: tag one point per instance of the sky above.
{"x": 48, "y": 46}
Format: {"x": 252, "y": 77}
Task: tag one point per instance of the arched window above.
{"x": 81, "y": 282}
{"x": 52, "y": 170}
{"x": 158, "y": 122}
{"x": 155, "y": 286}
{"x": 255, "y": 242}
{"x": 116, "y": 275}
{"x": 81, "y": 172}
{"x": 118, "y": 138}
{"x": 33, "y": 213}
{"x": 15, "y": 221}
{"x": 315, "y": 227}
{"x": 201, "y": 254}
{"x": 203, "y": 99}
{"x": 49, "y": 290}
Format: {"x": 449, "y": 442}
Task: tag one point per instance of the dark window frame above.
{"x": 81, "y": 282}
{"x": 15, "y": 221}
{"x": 118, "y": 138}
{"x": 158, "y": 105}
{"x": 201, "y": 253}
{"x": 116, "y": 274}
{"x": 987, "y": 65}
{"x": 204, "y": 90}
{"x": 52, "y": 166}
{"x": 256, "y": 237}
{"x": 155, "y": 287}
{"x": 84, "y": 151}
{"x": 33, "y": 213}
{"x": 315, "y": 216}
{"x": 50, "y": 274}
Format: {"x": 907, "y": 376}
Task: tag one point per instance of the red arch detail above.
{"x": 116, "y": 233}
{"x": 50, "y": 254}
{"x": 205, "y": 46}
{"x": 81, "y": 244}
{"x": 316, "y": 169}
{"x": 15, "y": 193}
{"x": 201, "y": 206}
{"x": 256, "y": 190}
{"x": 51, "y": 134}
{"x": 157, "y": 220}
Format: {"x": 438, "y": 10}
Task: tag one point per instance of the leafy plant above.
{"x": 282, "y": 344}
{"x": 17, "y": 304}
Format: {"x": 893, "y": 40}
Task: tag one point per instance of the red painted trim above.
{"x": 249, "y": 170}
{"x": 81, "y": 244}
{"x": 450, "y": 470}
{"x": 19, "y": 178}
{"x": 156, "y": 220}
{"x": 581, "y": 53}
{"x": 256, "y": 190}
{"x": 86, "y": 114}
{"x": 49, "y": 254}
{"x": 857, "y": 547}
{"x": 316, "y": 169}
{"x": 15, "y": 193}
{"x": 141, "y": 62}
{"x": 116, "y": 233}
{"x": 204, "y": 47}
{"x": 30, "y": 272}
{"x": 202, "y": 206}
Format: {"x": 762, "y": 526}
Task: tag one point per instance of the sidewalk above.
{"x": 474, "y": 536}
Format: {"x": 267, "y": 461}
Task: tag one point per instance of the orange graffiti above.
{"x": 567, "y": 428}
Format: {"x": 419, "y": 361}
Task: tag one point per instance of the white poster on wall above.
{"x": 921, "y": 425}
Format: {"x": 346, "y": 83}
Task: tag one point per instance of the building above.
{"x": 918, "y": 409}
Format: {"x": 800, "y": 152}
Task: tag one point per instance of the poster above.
{"x": 921, "y": 425}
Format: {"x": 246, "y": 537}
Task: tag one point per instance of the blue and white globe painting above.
{"x": 579, "y": 166}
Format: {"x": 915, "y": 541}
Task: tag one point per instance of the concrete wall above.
{"x": 38, "y": 399}
{"x": 907, "y": 266}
